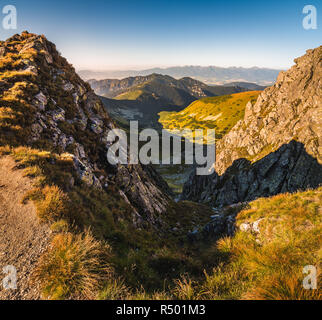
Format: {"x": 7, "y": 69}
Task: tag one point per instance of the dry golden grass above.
{"x": 184, "y": 289}
{"x": 283, "y": 287}
{"x": 75, "y": 267}
{"x": 269, "y": 264}
{"x": 115, "y": 289}
{"x": 52, "y": 204}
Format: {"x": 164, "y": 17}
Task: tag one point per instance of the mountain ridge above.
{"x": 142, "y": 98}
{"x": 209, "y": 75}
{"x": 46, "y": 105}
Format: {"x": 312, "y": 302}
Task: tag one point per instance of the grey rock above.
{"x": 85, "y": 173}
{"x": 40, "y": 101}
{"x": 97, "y": 125}
{"x": 277, "y": 148}
{"x": 289, "y": 169}
{"x": 68, "y": 86}
{"x": 58, "y": 115}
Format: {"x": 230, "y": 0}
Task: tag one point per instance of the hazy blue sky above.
{"x": 111, "y": 34}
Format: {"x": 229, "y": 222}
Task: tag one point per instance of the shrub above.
{"x": 60, "y": 226}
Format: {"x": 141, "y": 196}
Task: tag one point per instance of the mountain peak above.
{"x": 277, "y": 147}
{"x": 46, "y": 106}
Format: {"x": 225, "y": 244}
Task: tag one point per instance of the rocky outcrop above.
{"x": 222, "y": 224}
{"x": 288, "y": 169}
{"x": 276, "y": 148}
{"x": 65, "y": 116}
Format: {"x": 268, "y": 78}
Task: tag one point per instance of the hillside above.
{"x": 162, "y": 86}
{"x": 79, "y": 228}
{"x": 142, "y": 98}
{"x": 276, "y": 147}
{"x": 264, "y": 258}
{"x": 219, "y": 113}
{"x": 210, "y": 75}
{"x": 45, "y": 105}
{"x": 106, "y": 218}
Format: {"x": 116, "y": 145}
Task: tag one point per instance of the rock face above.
{"x": 276, "y": 148}
{"x": 288, "y": 169}
{"x": 65, "y": 116}
{"x": 222, "y": 224}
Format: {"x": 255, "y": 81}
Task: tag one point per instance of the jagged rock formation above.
{"x": 288, "y": 169}
{"x": 46, "y": 105}
{"x": 277, "y": 147}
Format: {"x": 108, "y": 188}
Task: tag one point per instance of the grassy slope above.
{"x": 220, "y": 113}
{"x": 266, "y": 265}
{"x": 130, "y": 95}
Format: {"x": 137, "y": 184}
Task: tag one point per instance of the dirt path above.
{"x": 22, "y": 238}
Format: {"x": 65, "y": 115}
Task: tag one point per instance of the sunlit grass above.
{"x": 219, "y": 113}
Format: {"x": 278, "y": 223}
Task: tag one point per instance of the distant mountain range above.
{"x": 209, "y": 75}
{"x": 78, "y": 227}
{"x": 143, "y": 97}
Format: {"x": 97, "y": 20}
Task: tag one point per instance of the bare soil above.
{"x": 23, "y": 238}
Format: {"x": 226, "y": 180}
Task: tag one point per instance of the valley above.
{"x": 103, "y": 231}
{"x": 161, "y": 102}
{"x": 142, "y": 98}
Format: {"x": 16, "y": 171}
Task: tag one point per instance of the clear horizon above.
{"x": 143, "y": 68}
{"x": 109, "y": 35}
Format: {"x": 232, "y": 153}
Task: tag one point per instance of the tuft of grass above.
{"x": 283, "y": 287}
{"x": 184, "y": 289}
{"x": 75, "y": 267}
{"x": 51, "y": 203}
{"x": 61, "y": 226}
{"x": 115, "y": 289}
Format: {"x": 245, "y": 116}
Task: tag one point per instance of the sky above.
{"x": 139, "y": 34}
